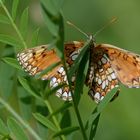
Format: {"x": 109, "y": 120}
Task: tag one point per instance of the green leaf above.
{"x": 57, "y": 4}
{"x": 2, "y": 1}
{"x": 65, "y": 106}
{"x": 14, "y": 8}
{"x": 24, "y": 22}
{"x": 11, "y": 61}
{"x": 7, "y": 39}
{"x": 25, "y": 84}
{"x": 51, "y": 16}
{"x": 35, "y": 37}
{"x": 93, "y": 128}
{"x": 66, "y": 119}
{"x": 51, "y": 6}
{"x": 4, "y": 19}
{"x": 81, "y": 76}
{"x": 107, "y": 99}
{"x": 54, "y": 20}
{"x": 94, "y": 118}
{"x": 66, "y": 131}
{"x": 54, "y": 90}
{"x": 43, "y": 120}
{"x": 60, "y": 39}
{"x": 76, "y": 63}
{"x": 3, "y": 128}
{"x": 16, "y": 130}
{"x": 51, "y": 67}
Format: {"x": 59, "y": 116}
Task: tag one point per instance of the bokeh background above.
{"x": 121, "y": 118}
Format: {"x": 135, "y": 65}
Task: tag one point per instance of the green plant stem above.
{"x": 13, "y": 24}
{"x": 80, "y": 121}
{"x": 76, "y": 107}
{"x": 34, "y": 134}
{"x": 54, "y": 118}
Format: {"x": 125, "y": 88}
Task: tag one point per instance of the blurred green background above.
{"x": 121, "y": 118}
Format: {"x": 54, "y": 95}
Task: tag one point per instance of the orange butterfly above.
{"x": 108, "y": 65}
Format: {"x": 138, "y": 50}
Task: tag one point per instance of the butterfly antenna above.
{"x": 71, "y": 24}
{"x": 114, "y": 19}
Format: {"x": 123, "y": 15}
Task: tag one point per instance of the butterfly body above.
{"x": 108, "y": 65}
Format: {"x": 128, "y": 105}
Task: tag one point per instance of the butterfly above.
{"x": 108, "y": 66}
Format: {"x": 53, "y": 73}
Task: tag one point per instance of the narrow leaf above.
{"x": 66, "y": 131}
{"x": 47, "y": 70}
{"x": 3, "y": 128}
{"x": 14, "y": 8}
{"x": 66, "y": 119}
{"x": 9, "y": 40}
{"x": 24, "y": 22}
{"x": 4, "y": 19}
{"x": 93, "y": 120}
{"x": 43, "y": 120}
{"x": 11, "y": 61}
{"x": 25, "y": 84}
{"x": 65, "y": 106}
{"x": 76, "y": 63}
{"x": 35, "y": 37}
{"x": 16, "y": 130}
{"x": 57, "y": 4}
{"x": 51, "y": 21}
{"x": 93, "y": 128}
{"x": 81, "y": 76}
{"x": 50, "y": 6}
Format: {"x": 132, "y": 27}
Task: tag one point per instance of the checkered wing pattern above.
{"x": 101, "y": 77}
{"x": 108, "y": 66}
{"x": 37, "y": 59}
{"x": 125, "y": 64}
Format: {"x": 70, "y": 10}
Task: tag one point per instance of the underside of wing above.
{"x": 37, "y": 59}
{"x": 101, "y": 76}
{"x": 125, "y": 64}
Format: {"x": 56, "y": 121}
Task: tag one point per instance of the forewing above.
{"x": 125, "y": 64}
{"x": 37, "y": 59}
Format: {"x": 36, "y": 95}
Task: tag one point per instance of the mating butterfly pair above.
{"x": 108, "y": 65}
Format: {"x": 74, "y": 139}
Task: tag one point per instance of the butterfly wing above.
{"x": 101, "y": 77}
{"x": 125, "y": 64}
{"x": 37, "y": 59}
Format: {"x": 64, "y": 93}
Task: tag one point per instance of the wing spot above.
{"x": 113, "y": 76}
{"x": 97, "y": 97}
{"x": 103, "y": 85}
{"x": 104, "y": 61}
{"x": 61, "y": 70}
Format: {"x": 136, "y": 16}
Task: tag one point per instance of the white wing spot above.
{"x": 109, "y": 78}
{"x": 29, "y": 67}
{"x": 97, "y": 97}
{"x": 102, "y": 97}
{"x": 101, "y": 70}
{"x": 103, "y": 85}
{"x": 103, "y": 60}
{"x": 106, "y": 82}
{"x": 74, "y": 57}
{"x": 61, "y": 70}
{"x": 63, "y": 73}
{"x": 113, "y": 76}
{"x": 99, "y": 81}
{"x": 55, "y": 85}
{"x": 109, "y": 70}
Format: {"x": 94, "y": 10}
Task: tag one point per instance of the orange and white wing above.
{"x": 101, "y": 77}
{"x": 125, "y": 64}
{"x": 37, "y": 59}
